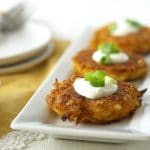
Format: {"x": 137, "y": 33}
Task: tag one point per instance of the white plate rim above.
{"x": 29, "y": 63}
{"x": 30, "y": 53}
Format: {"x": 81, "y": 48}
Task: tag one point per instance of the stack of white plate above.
{"x": 25, "y": 47}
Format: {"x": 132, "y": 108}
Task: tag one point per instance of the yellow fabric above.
{"x": 17, "y": 88}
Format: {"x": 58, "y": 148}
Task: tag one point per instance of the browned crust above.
{"x": 134, "y": 42}
{"x": 69, "y": 105}
{"x": 133, "y": 69}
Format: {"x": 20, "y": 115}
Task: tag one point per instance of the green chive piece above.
{"x": 99, "y": 74}
{"x": 96, "y": 78}
{"x": 88, "y": 76}
{"x": 108, "y": 48}
{"x": 105, "y": 60}
{"x": 134, "y": 23}
{"x": 112, "y": 27}
{"x": 98, "y": 82}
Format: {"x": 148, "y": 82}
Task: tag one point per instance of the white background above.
{"x": 69, "y": 17}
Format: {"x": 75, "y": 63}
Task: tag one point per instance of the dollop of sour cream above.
{"x": 84, "y": 88}
{"x": 123, "y": 28}
{"x": 115, "y": 57}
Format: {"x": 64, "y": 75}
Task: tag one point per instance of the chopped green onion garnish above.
{"x": 108, "y": 48}
{"x": 105, "y": 60}
{"x": 96, "y": 78}
{"x": 112, "y": 27}
{"x": 97, "y": 82}
{"x": 88, "y": 76}
{"x": 134, "y": 23}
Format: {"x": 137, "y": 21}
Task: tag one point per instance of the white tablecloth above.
{"x": 20, "y": 140}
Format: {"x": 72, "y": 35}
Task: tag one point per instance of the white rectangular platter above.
{"x": 36, "y": 117}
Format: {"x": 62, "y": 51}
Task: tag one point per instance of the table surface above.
{"x": 60, "y": 144}
{"x": 27, "y": 140}
{"x": 22, "y": 85}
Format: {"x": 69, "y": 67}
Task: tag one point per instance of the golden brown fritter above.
{"x": 133, "y": 69}
{"x": 138, "y": 42}
{"x": 69, "y": 105}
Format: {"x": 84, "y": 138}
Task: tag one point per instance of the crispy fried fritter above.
{"x": 64, "y": 100}
{"x": 133, "y": 69}
{"x": 134, "y": 42}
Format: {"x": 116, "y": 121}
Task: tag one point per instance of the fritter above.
{"x": 64, "y": 100}
{"x": 138, "y": 42}
{"x": 133, "y": 69}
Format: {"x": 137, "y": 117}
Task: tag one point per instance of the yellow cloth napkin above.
{"x": 17, "y": 88}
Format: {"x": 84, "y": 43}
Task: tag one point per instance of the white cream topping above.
{"x": 123, "y": 28}
{"x": 115, "y": 57}
{"x": 84, "y": 88}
